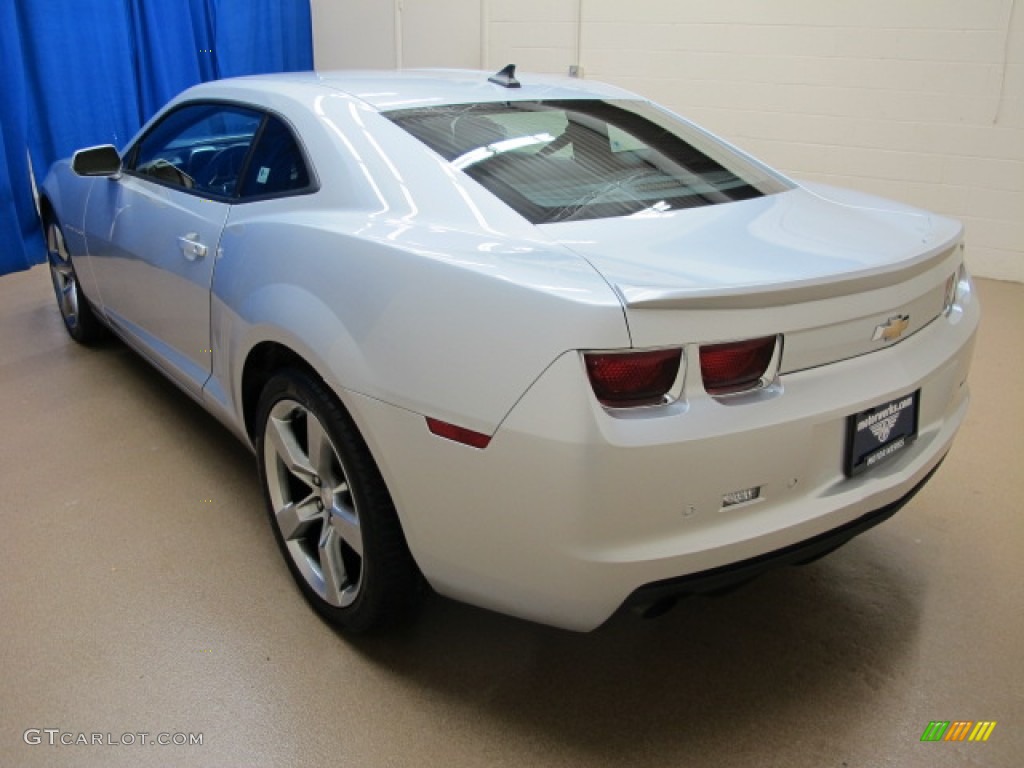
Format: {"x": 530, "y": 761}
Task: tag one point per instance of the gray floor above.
{"x": 140, "y": 591}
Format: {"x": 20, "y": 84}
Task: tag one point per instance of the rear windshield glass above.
{"x": 586, "y": 159}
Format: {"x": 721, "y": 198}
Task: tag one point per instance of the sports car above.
{"x": 536, "y": 343}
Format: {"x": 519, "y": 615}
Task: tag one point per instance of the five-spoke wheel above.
{"x": 331, "y": 512}
{"x": 74, "y": 308}
{"x": 312, "y": 502}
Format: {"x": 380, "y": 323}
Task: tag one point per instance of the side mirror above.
{"x": 97, "y": 161}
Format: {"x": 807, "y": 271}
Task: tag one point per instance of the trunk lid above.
{"x": 825, "y": 267}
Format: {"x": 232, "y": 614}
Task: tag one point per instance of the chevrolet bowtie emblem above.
{"x": 892, "y": 328}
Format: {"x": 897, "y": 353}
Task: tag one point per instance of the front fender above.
{"x": 67, "y": 194}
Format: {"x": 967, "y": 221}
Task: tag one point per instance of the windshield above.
{"x": 586, "y": 159}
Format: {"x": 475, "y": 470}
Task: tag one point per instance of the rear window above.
{"x": 558, "y": 161}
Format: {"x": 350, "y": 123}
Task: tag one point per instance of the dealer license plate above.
{"x": 879, "y": 433}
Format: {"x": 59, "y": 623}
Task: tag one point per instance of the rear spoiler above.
{"x": 781, "y": 294}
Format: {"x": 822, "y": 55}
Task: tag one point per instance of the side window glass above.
{"x": 200, "y": 147}
{"x": 277, "y": 165}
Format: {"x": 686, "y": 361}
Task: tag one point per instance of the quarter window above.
{"x": 277, "y": 165}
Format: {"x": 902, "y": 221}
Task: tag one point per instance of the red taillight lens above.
{"x": 736, "y": 366}
{"x": 631, "y": 379}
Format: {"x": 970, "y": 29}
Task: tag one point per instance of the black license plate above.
{"x": 881, "y": 432}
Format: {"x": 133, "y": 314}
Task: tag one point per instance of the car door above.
{"x": 154, "y": 232}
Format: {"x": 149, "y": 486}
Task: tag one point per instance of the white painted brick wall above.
{"x": 353, "y": 34}
{"x": 919, "y": 100}
{"x": 441, "y": 33}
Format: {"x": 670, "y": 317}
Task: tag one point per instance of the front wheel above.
{"x": 81, "y": 322}
{"x": 329, "y": 507}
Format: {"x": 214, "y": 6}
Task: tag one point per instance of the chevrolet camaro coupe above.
{"x": 535, "y": 342}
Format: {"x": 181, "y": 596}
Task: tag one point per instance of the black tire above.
{"x": 327, "y": 500}
{"x": 79, "y": 318}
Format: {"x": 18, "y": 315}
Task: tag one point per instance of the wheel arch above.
{"x": 261, "y": 363}
{"x": 46, "y": 209}
{"x": 268, "y": 357}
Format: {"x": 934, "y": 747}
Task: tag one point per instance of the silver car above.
{"x": 536, "y": 342}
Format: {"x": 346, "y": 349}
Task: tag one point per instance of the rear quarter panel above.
{"x": 452, "y": 325}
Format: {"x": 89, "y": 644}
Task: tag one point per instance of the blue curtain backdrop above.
{"x": 74, "y": 73}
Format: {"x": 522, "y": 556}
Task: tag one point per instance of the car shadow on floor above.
{"x": 799, "y": 643}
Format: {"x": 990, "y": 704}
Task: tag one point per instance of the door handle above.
{"x": 191, "y": 246}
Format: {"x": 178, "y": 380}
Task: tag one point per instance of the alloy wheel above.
{"x": 313, "y": 503}
{"x": 65, "y": 282}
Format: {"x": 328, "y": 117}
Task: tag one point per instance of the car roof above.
{"x": 403, "y": 89}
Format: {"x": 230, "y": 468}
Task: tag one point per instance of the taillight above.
{"x": 632, "y": 379}
{"x": 950, "y": 298}
{"x": 735, "y": 366}
{"x": 958, "y": 290}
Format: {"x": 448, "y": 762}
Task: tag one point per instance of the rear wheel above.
{"x": 329, "y": 507}
{"x": 79, "y": 319}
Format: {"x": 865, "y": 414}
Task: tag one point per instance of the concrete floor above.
{"x": 141, "y": 591}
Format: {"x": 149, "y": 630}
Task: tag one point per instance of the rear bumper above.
{"x": 571, "y": 511}
{"x": 728, "y": 577}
